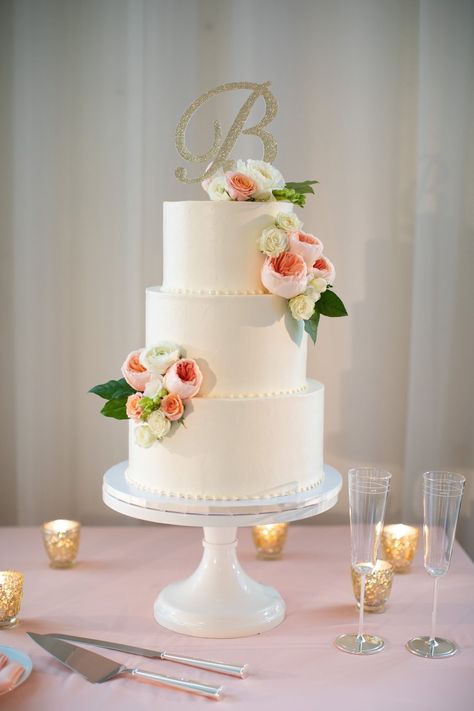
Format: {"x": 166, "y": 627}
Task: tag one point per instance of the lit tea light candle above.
{"x": 270, "y": 539}
{"x": 378, "y": 586}
{"x": 399, "y": 544}
{"x": 11, "y": 592}
{"x": 61, "y": 540}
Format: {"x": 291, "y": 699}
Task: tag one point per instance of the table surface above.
{"x": 110, "y": 593}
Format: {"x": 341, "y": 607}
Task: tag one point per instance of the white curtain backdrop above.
{"x": 376, "y": 101}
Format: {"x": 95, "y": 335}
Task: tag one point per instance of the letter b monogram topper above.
{"x": 221, "y": 148}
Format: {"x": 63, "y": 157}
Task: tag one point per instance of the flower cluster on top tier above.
{"x": 256, "y": 180}
{"x": 296, "y": 269}
{"x": 156, "y": 384}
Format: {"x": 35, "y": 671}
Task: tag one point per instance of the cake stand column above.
{"x": 219, "y": 599}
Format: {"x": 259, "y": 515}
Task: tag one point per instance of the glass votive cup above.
{"x": 61, "y": 540}
{"x": 11, "y": 593}
{"x": 378, "y": 586}
{"x": 399, "y": 544}
{"x": 269, "y": 540}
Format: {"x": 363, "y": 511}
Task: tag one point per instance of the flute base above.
{"x": 432, "y": 649}
{"x": 359, "y": 644}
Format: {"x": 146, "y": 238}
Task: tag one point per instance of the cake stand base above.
{"x": 219, "y": 599}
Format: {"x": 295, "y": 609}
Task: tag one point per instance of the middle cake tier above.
{"x": 246, "y": 346}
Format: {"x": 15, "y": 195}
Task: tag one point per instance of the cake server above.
{"x": 97, "y": 669}
{"x": 220, "y": 667}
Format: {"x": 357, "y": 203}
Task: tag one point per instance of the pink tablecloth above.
{"x": 110, "y": 594}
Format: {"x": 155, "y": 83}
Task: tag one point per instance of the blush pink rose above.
{"x": 136, "y": 375}
{"x": 285, "y": 275}
{"x": 322, "y": 267}
{"x": 183, "y": 378}
{"x": 134, "y": 411}
{"x": 307, "y": 246}
{"x": 240, "y": 186}
{"x": 173, "y": 407}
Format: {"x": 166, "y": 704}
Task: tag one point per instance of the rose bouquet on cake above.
{"x": 157, "y": 383}
{"x": 256, "y": 180}
{"x": 295, "y": 267}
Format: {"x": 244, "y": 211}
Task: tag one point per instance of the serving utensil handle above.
{"x": 212, "y": 692}
{"x": 220, "y": 667}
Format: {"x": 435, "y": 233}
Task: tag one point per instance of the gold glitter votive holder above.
{"x": 269, "y": 540}
{"x": 61, "y": 540}
{"x": 11, "y": 592}
{"x": 377, "y": 586}
{"x": 399, "y": 544}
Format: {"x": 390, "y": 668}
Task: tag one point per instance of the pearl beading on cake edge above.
{"x": 189, "y": 497}
{"x": 213, "y": 292}
{"x": 245, "y": 396}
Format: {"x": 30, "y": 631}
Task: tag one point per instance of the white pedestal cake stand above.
{"x": 219, "y": 599}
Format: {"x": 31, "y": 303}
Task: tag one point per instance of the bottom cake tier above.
{"x": 232, "y": 448}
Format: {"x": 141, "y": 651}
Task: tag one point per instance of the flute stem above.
{"x": 433, "y": 613}
{"x": 360, "y": 635}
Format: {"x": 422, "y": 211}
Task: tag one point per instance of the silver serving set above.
{"x": 97, "y": 669}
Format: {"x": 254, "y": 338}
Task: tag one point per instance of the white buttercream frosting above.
{"x": 213, "y": 245}
{"x": 244, "y": 345}
{"x": 232, "y": 449}
{"x": 256, "y": 428}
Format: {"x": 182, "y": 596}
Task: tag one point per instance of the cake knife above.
{"x": 220, "y": 667}
{"x": 97, "y": 669}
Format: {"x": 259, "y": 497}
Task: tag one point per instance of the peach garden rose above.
{"x": 307, "y": 246}
{"x": 285, "y": 275}
{"x": 184, "y": 378}
{"x": 136, "y": 375}
{"x": 322, "y": 267}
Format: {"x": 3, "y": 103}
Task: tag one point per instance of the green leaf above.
{"x": 330, "y": 304}
{"x": 303, "y": 187}
{"x": 116, "y": 408}
{"x": 311, "y": 326}
{"x": 113, "y": 389}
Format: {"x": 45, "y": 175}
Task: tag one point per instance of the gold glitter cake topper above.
{"x": 221, "y": 148}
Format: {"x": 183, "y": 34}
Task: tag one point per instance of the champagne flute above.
{"x": 442, "y": 496}
{"x": 368, "y": 489}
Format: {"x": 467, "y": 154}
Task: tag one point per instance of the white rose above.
{"x": 312, "y": 293}
{"x": 288, "y": 221}
{"x": 265, "y": 175}
{"x": 318, "y": 284}
{"x": 158, "y": 358}
{"x": 153, "y": 387}
{"x": 159, "y": 424}
{"x": 144, "y": 437}
{"x": 217, "y": 188}
{"x": 273, "y": 241}
{"x": 301, "y": 307}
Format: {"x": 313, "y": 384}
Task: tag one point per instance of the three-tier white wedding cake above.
{"x": 255, "y": 429}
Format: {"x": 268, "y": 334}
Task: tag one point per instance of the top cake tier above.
{"x": 211, "y": 247}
